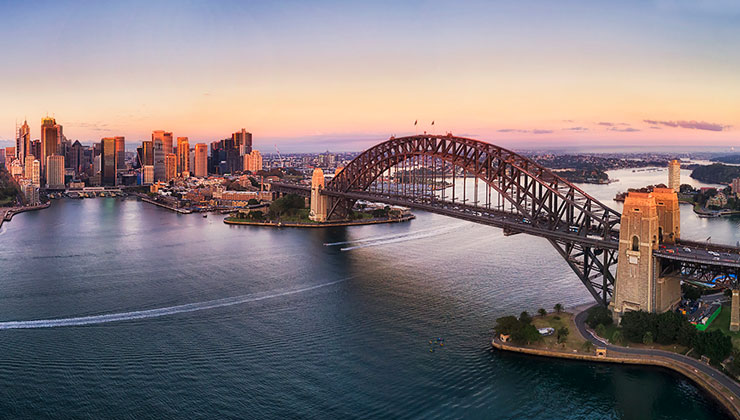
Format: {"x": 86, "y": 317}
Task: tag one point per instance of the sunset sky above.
{"x": 343, "y": 75}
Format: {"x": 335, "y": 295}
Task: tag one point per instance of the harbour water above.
{"x": 144, "y": 313}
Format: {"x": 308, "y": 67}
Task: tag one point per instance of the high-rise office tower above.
{"x": 147, "y": 174}
{"x": 36, "y": 172}
{"x": 36, "y": 148}
{"x": 170, "y": 167}
{"x": 120, "y": 152}
{"x": 76, "y": 157}
{"x": 55, "y": 172}
{"x": 166, "y": 138}
{"x": 159, "y": 155}
{"x": 108, "y": 161}
{"x": 201, "y": 160}
{"x": 23, "y": 141}
{"x": 183, "y": 155}
{"x": 242, "y": 141}
{"x": 253, "y": 161}
{"x": 148, "y": 152}
{"x": 49, "y": 140}
{"x": 28, "y": 166}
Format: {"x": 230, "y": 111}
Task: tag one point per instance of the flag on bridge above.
{"x": 416, "y": 121}
{"x": 432, "y": 122}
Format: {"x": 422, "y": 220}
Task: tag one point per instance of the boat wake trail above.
{"x": 409, "y": 237}
{"x": 378, "y": 238}
{"x": 154, "y": 313}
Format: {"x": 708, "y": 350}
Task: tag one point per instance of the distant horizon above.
{"x": 660, "y": 72}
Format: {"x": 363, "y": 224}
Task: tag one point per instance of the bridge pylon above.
{"x": 319, "y": 202}
{"x": 646, "y": 222}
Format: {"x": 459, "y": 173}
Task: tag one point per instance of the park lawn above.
{"x": 722, "y": 323}
{"x": 574, "y": 341}
{"x": 5, "y": 201}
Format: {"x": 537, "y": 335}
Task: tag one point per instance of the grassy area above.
{"x": 557, "y": 321}
{"x": 722, "y": 323}
{"x": 7, "y": 201}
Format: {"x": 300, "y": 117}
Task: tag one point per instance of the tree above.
{"x": 542, "y": 311}
{"x": 668, "y": 325}
{"x": 647, "y": 338}
{"x": 617, "y": 337}
{"x": 601, "y": 330}
{"x": 714, "y": 345}
{"x": 253, "y": 202}
{"x": 587, "y": 346}
{"x": 254, "y": 182}
{"x": 506, "y": 325}
{"x": 690, "y": 292}
{"x": 599, "y": 315}
{"x": 525, "y": 318}
{"x": 563, "y": 334}
{"x": 558, "y": 308}
{"x": 685, "y": 189}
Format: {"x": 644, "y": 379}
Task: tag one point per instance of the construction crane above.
{"x": 279, "y": 157}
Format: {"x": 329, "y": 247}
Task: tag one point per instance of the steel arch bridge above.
{"x": 517, "y": 195}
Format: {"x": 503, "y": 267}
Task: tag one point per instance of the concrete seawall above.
{"x": 719, "y": 392}
{"x": 7, "y": 214}
{"x": 318, "y": 225}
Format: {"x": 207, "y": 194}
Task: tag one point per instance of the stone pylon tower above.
{"x": 319, "y": 202}
{"x": 669, "y": 215}
{"x": 644, "y": 225}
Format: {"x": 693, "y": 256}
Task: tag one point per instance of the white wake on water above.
{"x": 404, "y": 238}
{"x": 154, "y": 313}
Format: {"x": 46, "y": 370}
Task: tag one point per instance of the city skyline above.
{"x": 596, "y": 74}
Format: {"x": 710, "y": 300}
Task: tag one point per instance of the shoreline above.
{"x": 165, "y": 206}
{"x": 707, "y": 382}
{"x": 319, "y": 225}
{"x": 12, "y": 211}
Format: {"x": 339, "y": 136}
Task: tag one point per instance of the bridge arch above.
{"x": 582, "y": 229}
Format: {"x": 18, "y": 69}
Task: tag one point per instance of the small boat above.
{"x": 205, "y": 215}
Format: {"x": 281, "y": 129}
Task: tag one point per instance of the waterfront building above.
{"x": 183, "y": 155}
{"x": 674, "y": 175}
{"x": 253, "y": 161}
{"x": 30, "y": 192}
{"x": 201, "y": 160}
{"x": 23, "y": 141}
{"x": 735, "y": 186}
{"x": 147, "y": 174}
{"x": 191, "y": 161}
{"x": 16, "y": 169}
{"x": 108, "y": 159}
{"x": 158, "y": 153}
{"x": 120, "y": 146}
{"x": 55, "y": 172}
{"x": 50, "y": 138}
{"x": 170, "y": 167}
{"x": 242, "y": 141}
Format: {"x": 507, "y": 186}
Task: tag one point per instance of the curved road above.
{"x": 726, "y": 381}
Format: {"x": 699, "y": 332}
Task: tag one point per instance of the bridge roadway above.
{"x": 512, "y": 223}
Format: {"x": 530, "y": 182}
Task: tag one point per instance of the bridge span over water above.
{"x": 630, "y": 261}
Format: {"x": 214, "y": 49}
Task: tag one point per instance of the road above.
{"x": 723, "y": 379}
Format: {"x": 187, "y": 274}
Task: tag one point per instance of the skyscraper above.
{"x": 55, "y": 172}
{"x": 76, "y": 157}
{"x": 120, "y": 152}
{"x": 242, "y": 141}
{"x": 166, "y": 138}
{"x": 23, "y": 141}
{"x": 183, "y": 155}
{"x": 49, "y": 141}
{"x": 148, "y": 152}
{"x": 36, "y": 173}
{"x": 253, "y": 161}
{"x": 108, "y": 161}
{"x": 158, "y": 153}
{"x": 674, "y": 175}
{"x": 201, "y": 160}
{"x": 28, "y": 166}
{"x": 170, "y": 167}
